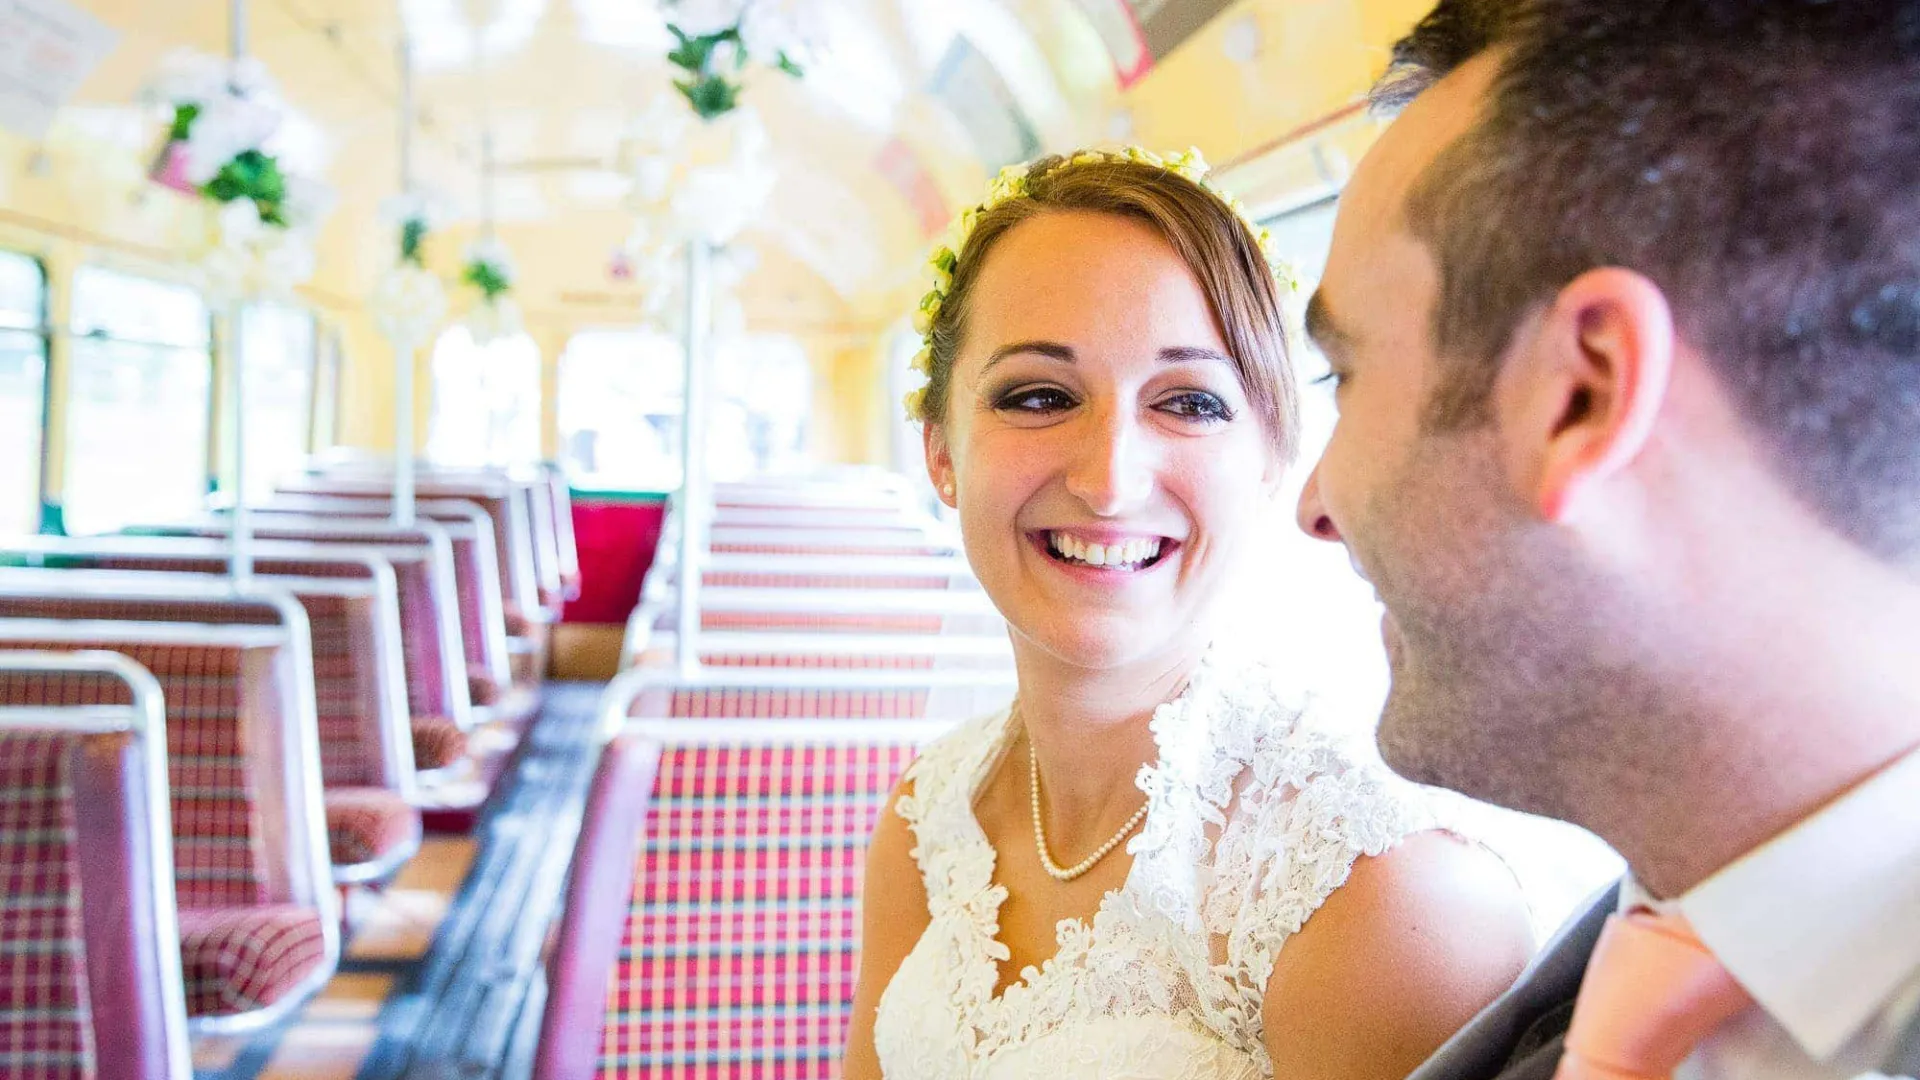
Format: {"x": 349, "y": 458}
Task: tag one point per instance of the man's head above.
{"x": 1625, "y": 309}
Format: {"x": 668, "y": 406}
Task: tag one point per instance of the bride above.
{"x": 1149, "y": 866}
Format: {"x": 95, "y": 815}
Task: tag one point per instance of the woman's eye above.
{"x": 1331, "y": 378}
{"x": 1198, "y": 405}
{"x": 1035, "y": 399}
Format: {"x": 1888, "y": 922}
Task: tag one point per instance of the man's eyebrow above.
{"x": 1053, "y": 349}
{"x": 1191, "y": 354}
{"x": 1321, "y": 328}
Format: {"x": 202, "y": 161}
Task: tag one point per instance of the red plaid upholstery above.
{"x": 754, "y": 579}
{"x": 238, "y": 960}
{"x": 739, "y": 955}
{"x": 824, "y": 549}
{"x": 62, "y": 688}
{"x": 481, "y": 687}
{"x": 217, "y": 860}
{"x": 822, "y": 661}
{"x": 367, "y": 824}
{"x": 420, "y": 639}
{"x": 46, "y": 1026}
{"x": 437, "y": 742}
{"x": 777, "y": 702}
{"x": 821, "y": 622}
{"x": 349, "y": 739}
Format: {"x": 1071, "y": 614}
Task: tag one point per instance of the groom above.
{"x": 1624, "y": 311}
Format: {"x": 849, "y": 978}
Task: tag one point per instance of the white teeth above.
{"x": 1129, "y": 553}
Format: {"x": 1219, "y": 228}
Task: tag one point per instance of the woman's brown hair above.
{"x": 1216, "y": 244}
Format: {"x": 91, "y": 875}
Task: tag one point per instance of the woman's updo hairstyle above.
{"x": 1210, "y": 234}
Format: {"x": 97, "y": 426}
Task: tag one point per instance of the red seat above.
{"x": 89, "y": 979}
{"x": 238, "y": 960}
{"x": 437, "y": 742}
{"x": 370, "y": 826}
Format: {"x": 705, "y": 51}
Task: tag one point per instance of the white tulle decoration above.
{"x": 408, "y": 305}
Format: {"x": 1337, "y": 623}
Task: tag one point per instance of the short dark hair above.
{"x": 1758, "y": 159}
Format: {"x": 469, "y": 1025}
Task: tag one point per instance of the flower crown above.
{"x": 1011, "y": 184}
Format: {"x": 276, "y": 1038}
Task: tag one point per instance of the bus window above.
{"x": 140, "y": 403}
{"x": 621, "y": 399}
{"x": 23, "y": 369}
{"x": 277, "y": 346}
{"x": 486, "y": 400}
{"x": 619, "y": 408}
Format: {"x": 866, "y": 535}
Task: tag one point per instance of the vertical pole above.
{"x": 696, "y": 496}
{"x": 403, "y": 351}
{"x": 241, "y": 563}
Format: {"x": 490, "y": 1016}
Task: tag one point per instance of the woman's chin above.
{"x": 1096, "y": 641}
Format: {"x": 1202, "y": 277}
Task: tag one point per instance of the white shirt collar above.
{"x": 1821, "y": 924}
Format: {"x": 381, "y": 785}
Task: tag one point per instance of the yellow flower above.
{"x": 923, "y": 361}
{"x": 916, "y": 404}
{"x": 1087, "y": 157}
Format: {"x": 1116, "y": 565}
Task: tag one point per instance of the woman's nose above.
{"x": 1110, "y": 471}
{"x": 1311, "y": 514}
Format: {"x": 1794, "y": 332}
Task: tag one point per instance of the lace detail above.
{"x": 1253, "y": 820}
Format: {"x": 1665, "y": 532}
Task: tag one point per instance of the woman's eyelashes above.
{"x": 1197, "y": 405}
{"x": 1033, "y": 400}
{"x": 1194, "y": 405}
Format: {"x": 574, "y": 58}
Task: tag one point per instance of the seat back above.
{"x": 469, "y": 530}
{"x": 353, "y": 617}
{"x": 431, "y": 640}
{"x": 89, "y": 937}
{"x": 509, "y": 513}
{"x": 740, "y": 873}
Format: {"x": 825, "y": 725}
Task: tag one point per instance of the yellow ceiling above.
{"x": 559, "y": 82}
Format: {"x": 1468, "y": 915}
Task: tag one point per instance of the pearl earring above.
{"x": 947, "y": 489}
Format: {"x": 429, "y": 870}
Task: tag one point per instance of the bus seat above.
{"x": 258, "y": 919}
{"x": 88, "y": 925}
{"x": 365, "y": 747}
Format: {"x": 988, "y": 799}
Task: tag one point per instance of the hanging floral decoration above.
{"x": 714, "y": 40}
{"x": 408, "y": 302}
{"x": 489, "y": 269}
{"x": 253, "y": 232}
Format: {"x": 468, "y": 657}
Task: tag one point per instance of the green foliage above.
{"x": 790, "y": 66}
{"x": 488, "y": 278}
{"x": 256, "y": 176}
{"x": 183, "y": 118}
{"x": 711, "y": 96}
{"x": 413, "y": 234}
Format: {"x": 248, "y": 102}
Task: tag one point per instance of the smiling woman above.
{"x": 1110, "y": 410}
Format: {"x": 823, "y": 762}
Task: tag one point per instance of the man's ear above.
{"x": 1580, "y": 405}
{"x": 933, "y": 438}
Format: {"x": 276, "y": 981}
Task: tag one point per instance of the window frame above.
{"x": 43, "y": 330}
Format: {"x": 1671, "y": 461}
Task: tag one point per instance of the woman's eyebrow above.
{"x": 1053, "y": 349}
{"x": 1191, "y": 354}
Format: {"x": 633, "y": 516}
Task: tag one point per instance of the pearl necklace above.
{"x": 1052, "y": 868}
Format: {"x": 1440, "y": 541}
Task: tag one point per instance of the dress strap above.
{"x": 955, "y": 861}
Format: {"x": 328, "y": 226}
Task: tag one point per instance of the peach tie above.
{"x": 1652, "y": 992}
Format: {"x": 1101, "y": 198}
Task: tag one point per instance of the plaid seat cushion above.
{"x": 481, "y": 687}
{"x": 46, "y": 1026}
{"x": 820, "y": 661}
{"x": 367, "y": 824}
{"x": 740, "y": 949}
{"x": 437, "y": 742}
{"x": 237, "y": 960}
{"x": 746, "y": 548}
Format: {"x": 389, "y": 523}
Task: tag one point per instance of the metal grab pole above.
{"x": 241, "y": 556}
{"x": 695, "y": 494}
{"x": 403, "y": 351}
{"x": 241, "y": 564}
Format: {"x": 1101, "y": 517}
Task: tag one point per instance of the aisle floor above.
{"x": 442, "y": 976}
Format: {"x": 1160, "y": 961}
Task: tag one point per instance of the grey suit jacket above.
{"x": 1519, "y": 1036}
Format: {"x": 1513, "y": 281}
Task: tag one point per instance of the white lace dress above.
{"x": 1253, "y": 821}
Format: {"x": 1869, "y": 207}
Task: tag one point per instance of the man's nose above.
{"x": 1311, "y": 514}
